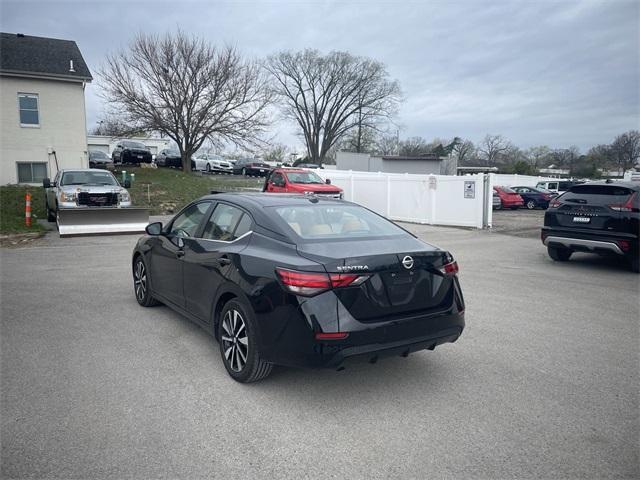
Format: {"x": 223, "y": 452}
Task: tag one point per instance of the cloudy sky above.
{"x": 558, "y": 73}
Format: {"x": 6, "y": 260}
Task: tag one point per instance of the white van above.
{"x": 557, "y": 186}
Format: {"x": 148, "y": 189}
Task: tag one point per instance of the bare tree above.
{"x": 328, "y": 95}
{"x": 566, "y": 157}
{"x": 464, "y": 151}
{"x": 189, "y": 90}
{"x": 414, "y": 146}
{"x": 112, "y": 126}
{"x": 538, "y": 156}
{"x": 492, "y": 147}
{"x": 626, "y": 149}
{"x": 386, "y": 144}
{"x": 276, "y": 153}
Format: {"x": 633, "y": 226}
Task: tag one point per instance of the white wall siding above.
{"x": 62, "y": 126}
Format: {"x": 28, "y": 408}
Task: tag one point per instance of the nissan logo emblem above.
{"x": 407, "y": 262}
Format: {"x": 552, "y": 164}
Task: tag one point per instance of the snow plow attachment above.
{"x": 102, "y": 220}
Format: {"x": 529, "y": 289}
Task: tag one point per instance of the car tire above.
{"x": 141, "y": 283}
{"x": 531, "y": 205}
{"x": 559, "y": 254}
{"x": 498, "y": 207}
{"x": 238, "y": 343}
{"x": 51, "y": 216}
{"x": 208, "y": 168}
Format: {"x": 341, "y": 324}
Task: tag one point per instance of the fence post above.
{"x": 388, "y": 196}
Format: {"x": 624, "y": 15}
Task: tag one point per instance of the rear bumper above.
{"x": 591, "y": 242}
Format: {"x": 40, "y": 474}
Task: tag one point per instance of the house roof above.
{"x": 42, "y": 57}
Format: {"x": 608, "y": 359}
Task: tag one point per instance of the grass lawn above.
{"x": 166, "y": 190}
{"x": 12, "y": 209}
{"x": 162, "y": 190}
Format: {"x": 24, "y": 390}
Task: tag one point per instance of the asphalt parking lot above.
{"x": 542, "y": 384}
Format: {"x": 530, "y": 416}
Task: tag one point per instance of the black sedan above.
{"x": 169, "y": 158}
{"x": 98, "y": 159}
{"x": 299, "y": 281}
{"x": 251, "y": 168}
{"x": 534, "y": 197}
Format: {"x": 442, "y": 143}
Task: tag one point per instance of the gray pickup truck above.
{"x": 90, "y": 201}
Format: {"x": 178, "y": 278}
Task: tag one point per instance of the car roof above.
{"x": 260, "y": 199}
{"x": 75, "y": 170}
{"x": 617, "y": 183}
{"x": 292, "y": 170}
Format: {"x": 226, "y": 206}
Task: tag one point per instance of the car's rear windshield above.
{"x": 335, "y": 222}
{"x": 97, "y": 154}
{"x": 506, "y": 190}
{"x": 87, "y": 178}
{"x": 304, "y": 177}
{"x": 597, "y": 194}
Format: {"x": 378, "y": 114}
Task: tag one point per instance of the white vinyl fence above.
{"x": 515, "y": 180}
{"x": 429, "y": 199}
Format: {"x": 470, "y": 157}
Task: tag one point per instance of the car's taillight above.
{"x": 450, "y": 269}
{"x": 627, "y": 206}
{"x": 555, "y": 203}
{"x": 546, "y": 196}
{"x": 309, "y": 284}
{"x": 624, "y": 245}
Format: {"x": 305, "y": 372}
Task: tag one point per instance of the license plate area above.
{"x": 581, "y": 219}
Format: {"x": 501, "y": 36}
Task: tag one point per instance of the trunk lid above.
{"x": 403, "y": 276}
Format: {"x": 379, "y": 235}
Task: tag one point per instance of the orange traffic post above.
{"x": 27, "y": 210}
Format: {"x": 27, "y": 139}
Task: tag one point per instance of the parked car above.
{"x": 129, "y": 151}
{"x": 170, "y": 157}
{"x": 533, "y": 197}
{"x": 99, "y": 159}
{"x": 557, "y": 186}
{"x": 211, "y": 163}
{"x": 308, "y": 165}
{"x": 285, "y": 280}
{"x": 497, "y": 203}
{"x": 251, "y": 167}
{"x": 290, "y": 180}
{"x": 509, "y": 198}
{"x": 595, "y": 217}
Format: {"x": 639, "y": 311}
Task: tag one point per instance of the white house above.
{"x": 42, "y": 107}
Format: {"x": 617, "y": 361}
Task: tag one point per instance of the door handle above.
{"x": 224, "y": 261}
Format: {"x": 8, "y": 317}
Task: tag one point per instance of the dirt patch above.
{"x": 19, "y": 240}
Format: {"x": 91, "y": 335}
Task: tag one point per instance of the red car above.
{"x": 297, "y": 180}
{"x": 509, "y": 198}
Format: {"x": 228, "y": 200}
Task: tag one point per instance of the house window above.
{"x": 31, "y": 172}
{"x": 28, "y": 103}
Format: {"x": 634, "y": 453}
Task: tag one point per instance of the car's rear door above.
{"x": 214, "y": 256}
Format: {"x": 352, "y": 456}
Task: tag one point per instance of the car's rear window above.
{"x": 333, "y": 222}
{"x": 598, "y": 194}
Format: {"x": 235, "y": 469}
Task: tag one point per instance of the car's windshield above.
{"x": 88, "y": 178}
{"x": 506, "y": 190}
{"x": 97, "y": 154}
{"x": 304, "y": 177}
{"x": 335, "y": 222}
{"x": 139, "y": 145}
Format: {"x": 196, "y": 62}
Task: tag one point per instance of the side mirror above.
{"x": 154, "y": 228}
{"x": 46, "y": 183}
{"x": 328, "y": 181}
{"x": 127, "y": 184}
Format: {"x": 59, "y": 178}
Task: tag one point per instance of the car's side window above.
{"x": 225, "y": 223}
{"x": 186, "y": 224}
{"x": 553, "y": 186}
{"x": 278, "y": 179}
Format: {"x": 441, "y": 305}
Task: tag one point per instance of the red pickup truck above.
{"x": 297, "y": 180}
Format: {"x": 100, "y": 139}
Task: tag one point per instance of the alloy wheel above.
{"x": 531, "y": 204}
{"x": 234, "y": 340}
{"x": 140, "y": 281}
